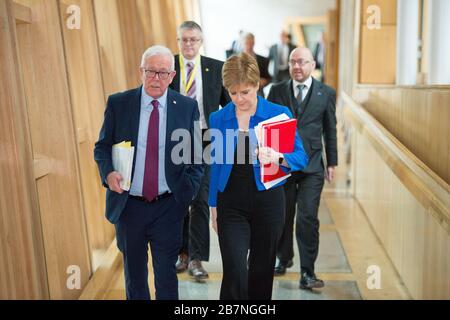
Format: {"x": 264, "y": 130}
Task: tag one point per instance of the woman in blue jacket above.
{"x": 247, "y": 217}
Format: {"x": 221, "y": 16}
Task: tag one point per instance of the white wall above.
{"x": 407, "y": 41}
{"x": 222, "y": 20}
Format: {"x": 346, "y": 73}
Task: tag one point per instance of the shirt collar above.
{"x": 146, "y": 99}
{"x": 307, "y": 83}
{"x": 186, "y": 61}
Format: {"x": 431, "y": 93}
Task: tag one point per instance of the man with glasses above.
{"x": 314, "y": 105}
{"x": 199, "y": 78}
{"x": 152, "y": 210}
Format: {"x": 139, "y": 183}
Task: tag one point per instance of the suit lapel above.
{"x": 316, "y": 94}
{"x": 135, "y": 111}
{"x": 176, "y": 80}
{"x": 292, "y": 103}
{"x": 207, "y": 81}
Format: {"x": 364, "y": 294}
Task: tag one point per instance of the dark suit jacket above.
{"x": 318, "y": 118}
{"x": 273, "y": 56}
{"x": 214, "y": 94}
{"x": 263, "y": 65}
{"x": 121, "y": 123}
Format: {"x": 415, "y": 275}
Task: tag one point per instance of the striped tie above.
{"x": 191, "y": 91}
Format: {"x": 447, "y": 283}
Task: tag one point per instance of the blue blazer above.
{"x": 121, "y": 123}
{"x": 224, "y": 123}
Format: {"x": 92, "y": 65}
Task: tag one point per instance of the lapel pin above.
{"x": 174, "y": 102}
{"x": 206, "y": 69}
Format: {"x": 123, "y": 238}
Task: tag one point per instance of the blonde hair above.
{"x": 240, "y": 69}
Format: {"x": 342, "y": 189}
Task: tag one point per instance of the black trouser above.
{"x": 304, "y": 189}
{"x": 196, "y": 221}
{"x": 248, "y": 220}
{"x": 196, "y": 224}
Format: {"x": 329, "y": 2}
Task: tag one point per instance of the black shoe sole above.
{"x": 310, "y": 287}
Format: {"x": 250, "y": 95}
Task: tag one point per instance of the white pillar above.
{"x": 439, "y": 61}
{"x": 407, "y": 41}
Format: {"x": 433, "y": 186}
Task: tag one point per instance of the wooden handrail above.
{"x": 426, "y": 186}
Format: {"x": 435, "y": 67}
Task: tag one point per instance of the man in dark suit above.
{"x": 162, "y": 186}
{"x": 263, "y": 62}
{"x": 279, "y": 57}
{"x": 313, "y": 103}
{"x": 199, "y": 78}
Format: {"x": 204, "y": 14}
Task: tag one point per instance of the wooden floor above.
{"x": 360, "y": 245}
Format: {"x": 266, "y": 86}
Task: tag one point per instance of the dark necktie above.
{"x": 299, "y": 98}
{"x": 191, "y": 92}
{"x": 150, "y": 187}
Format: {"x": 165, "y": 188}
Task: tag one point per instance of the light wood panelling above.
{"x": 378, "y": 46}
{"x": 111, "y": 46}
{"x": 407, "y": 205}
{"x": 22, "y": 13}
{"x": 53, "y": 136}
{"x": 418, "y": 116}
{"x": 86, "y": 92}
{"x": 22, "y": 261}
{"x": 135, "y": 17}
{"x": 388, "y": 10}
{"x": 378, "y": 55}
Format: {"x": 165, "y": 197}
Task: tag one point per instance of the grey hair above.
{"x": 189, "y": 25}
{"x": 158, "y": 51}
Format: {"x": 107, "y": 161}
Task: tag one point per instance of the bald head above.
{"x": 301, "y": 64}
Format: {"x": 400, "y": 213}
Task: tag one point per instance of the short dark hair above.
{"x": 189, "y": 25}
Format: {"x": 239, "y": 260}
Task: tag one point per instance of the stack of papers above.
{"x": 122, "y": 158}
{"x": 277, "y": 133}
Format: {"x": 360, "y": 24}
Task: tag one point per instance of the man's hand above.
{"x": 214, "y": 218}
{"x": 113, "y": 179}
{"x": 330, "y": 174}
{"x": 267, "y": 155}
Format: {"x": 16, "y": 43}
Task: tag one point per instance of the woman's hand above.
{"x": 268, "y": 155}
{"x": 214, "y": 218}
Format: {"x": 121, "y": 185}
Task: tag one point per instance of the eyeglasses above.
{"x": 150, "y": 74}
{"x": 300, "y": 62}
{"x": 189, "y": 40}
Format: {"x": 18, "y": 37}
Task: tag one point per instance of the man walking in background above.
{"x": 314, "y": 106}
{"x": 199, "y": 78}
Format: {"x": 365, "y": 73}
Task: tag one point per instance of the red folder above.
{"x": 279, "y": 136}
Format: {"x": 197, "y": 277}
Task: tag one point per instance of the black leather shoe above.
{"x": 197, "y": 271}
{"x": 280, "y": 269}
{"x": 182, "y": 263}
{"x": 309, "y": 281}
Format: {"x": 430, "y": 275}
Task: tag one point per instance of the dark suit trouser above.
{"x": 249, "y": 221}
{"x": 306, "y": 194}
{"x": 159, "y": 224}
{"x": 196, "y": 224}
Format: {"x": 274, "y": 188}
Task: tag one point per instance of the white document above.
{"x": 260, "y": 138}
{"x": 122, "y": 157}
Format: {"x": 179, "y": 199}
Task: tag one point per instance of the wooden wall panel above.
{"x": 418, "y": 116}
{"x": 135, "y": 17}
{"x": 406, "y": 205}
{"x": 22, "y": 260}
{"x": 53, "y": 138}
{"x": 378, "y": 47}
{"x": 111, "y": 46}
{"x": 88, "y": 103}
